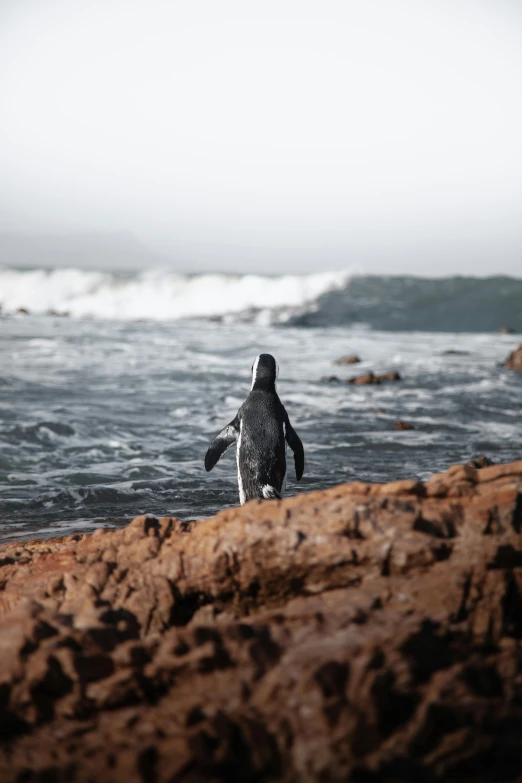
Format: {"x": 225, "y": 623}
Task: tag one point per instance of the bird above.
{"x": 261, "y": 429}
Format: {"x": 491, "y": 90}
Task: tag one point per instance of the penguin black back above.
{"x": 261, "y": 430}
{"x": 264, "y": 373}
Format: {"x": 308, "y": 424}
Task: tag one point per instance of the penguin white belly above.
{"x": 242, "y": 495}
{"x": 283, "y": 483}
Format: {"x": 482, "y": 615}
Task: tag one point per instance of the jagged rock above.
{"x": 363, "y": 633}
{"x": 352, "y": 359}
{"x": 514, "y": 360}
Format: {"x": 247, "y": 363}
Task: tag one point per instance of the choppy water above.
{"x": 101, "y": 420}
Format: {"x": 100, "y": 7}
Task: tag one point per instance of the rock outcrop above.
{"x": 364, "y": 633}
{"x": 514, "y": 360}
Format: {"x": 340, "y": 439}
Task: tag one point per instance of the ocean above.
{"x": 113, "y": 385}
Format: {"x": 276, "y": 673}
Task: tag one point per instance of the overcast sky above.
{"x": 273, "y": 135}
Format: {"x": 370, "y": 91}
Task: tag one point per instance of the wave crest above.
{"x": 160, "y": 295}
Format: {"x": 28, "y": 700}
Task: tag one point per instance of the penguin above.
{"x": 261, "y": 429}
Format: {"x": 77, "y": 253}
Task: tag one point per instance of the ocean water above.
{"x": 108, "y": 413}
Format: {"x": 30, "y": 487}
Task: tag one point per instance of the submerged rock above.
{"x": 367, "y": 632}
{"x": 330, "y": 379}
{"x": 390, "y": 376}
{"x": 353, "y": 359}
{"x": 369, "y": 378}
{"x": 401, "y": 425}
{"x": 514, "y": 360}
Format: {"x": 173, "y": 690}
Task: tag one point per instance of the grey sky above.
{"x": 274, "y": 135}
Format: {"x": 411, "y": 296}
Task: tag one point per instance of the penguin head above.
{"x": 264, "y": 372}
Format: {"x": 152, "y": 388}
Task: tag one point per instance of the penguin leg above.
{"x": 221, "y": 442}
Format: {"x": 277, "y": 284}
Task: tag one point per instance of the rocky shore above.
{"x": 363, "y": 633}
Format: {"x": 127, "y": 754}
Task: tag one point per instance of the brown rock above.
{"x": 480, "y": 462}
{"x": 401, "y": 425}
{"x": 367, "y": 632}
{"x": 367, "y": 378}
{"x": 514, "y": 360}
{"x": 353, "y": 359}
{"x": 390, "y": 376}
{"x": 403, "y": 487}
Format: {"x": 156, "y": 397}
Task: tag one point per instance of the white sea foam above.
{"x": 160, "y": 295}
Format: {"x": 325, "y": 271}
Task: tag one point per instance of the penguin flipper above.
{"x": 221, "y": 442}
{"x": 294, "y": 441}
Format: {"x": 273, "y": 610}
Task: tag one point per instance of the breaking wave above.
{"x": 160, "y": 295}
{"x": 452, "y": 304}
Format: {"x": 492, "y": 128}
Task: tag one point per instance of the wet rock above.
{"x": 367, "y": 632}
{"x": 454, "y": 352}
{"x": 390, "y": 376}
{"x": 480, "y": 462}
{"x": 352, "y": 359}
{"x": 367, "y": 378}
{"x": 370, "y": 378}
{"x": 401, "y": 425}
{"x": 514, "y": 360}
{"x": 506, "y": 330}
{"x": 22, "y": 311}
{"x": 330, "y": 379}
